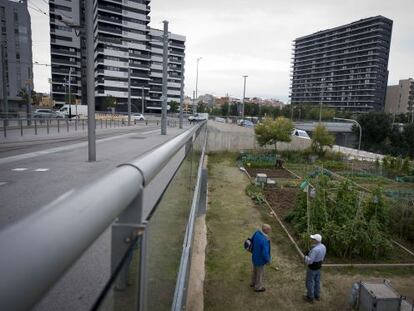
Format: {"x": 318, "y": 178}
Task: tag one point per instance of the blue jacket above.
{"x": 261, "y": 249}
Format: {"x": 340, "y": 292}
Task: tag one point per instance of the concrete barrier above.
{"x": 231, "y": 137}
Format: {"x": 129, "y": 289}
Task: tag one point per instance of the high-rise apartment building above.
{"x": 176, "y": 46}
{"x": 16, "y": 39}
{"x": 343, "y": 67}
{"x": 400, "y": 98}
{"x": 126, "y": 53}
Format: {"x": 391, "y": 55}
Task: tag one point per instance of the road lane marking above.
{"x": 19, "y": 169}
{"x": 41, "y": 170}
{"x": 30, "y": 155}
{"x": 2, "y": 183}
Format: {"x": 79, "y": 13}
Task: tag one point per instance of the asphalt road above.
{"x": 37, "y": 171}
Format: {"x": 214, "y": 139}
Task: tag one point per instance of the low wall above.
{"x": 231, "y": 137}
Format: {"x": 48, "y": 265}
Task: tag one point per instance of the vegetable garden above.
{"x": 364, "y": 210}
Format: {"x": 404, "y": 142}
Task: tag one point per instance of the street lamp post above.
{"x": 244, "y": 95}
{"x": 196, "y": 90}
{"x": 320, "y": 108}
{"x": 360, "y": 129}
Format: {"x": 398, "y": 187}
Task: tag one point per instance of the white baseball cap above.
{"x": 316, "y": 237}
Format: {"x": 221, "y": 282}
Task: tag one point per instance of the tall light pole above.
{"x": 244, "y": 95}
{"x": 164, "y": 81}
{"x": 196, "y": 90}
{"x": 90, "y": 79}
{"x": 129, "y": 94}
{"x": 320, "y": 108}
{"x": 69, "y": 94}
{"x": 360, "y": 129}
{"x": 182, "y": 93}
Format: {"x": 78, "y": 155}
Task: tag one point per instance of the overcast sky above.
{"x": 252, "y": 37}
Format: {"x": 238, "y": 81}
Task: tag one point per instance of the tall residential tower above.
{"x": 126, "y": 54}
{"x": 16, "y": 63}
{"x": 343, "y": 67}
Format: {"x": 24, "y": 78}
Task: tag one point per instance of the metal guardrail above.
{"x": 37, "y": 125}
{"x": 38, "y": 250}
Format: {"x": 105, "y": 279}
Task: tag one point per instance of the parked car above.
{"x": 198, "y": 117}
{"x": 47, "y": 114}
{"x": 300, "y": 133}
{"x": 137, "y": 117}
{"x": 247, "y": 123}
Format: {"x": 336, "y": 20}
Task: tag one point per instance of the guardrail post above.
{"x": 106, "y": 123}
{"x": 67, "y": 125}
{"x": 21, "y": 127}
{"x": 83, "y": 124}
{"x": 101, "y": 123}
{"x": 35, "y": 126}
{"x": 76, "y": 124}
{"x": 47, "y": 126}
{"x": 58, "y": 124}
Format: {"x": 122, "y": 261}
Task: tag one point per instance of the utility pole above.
{"x": 181, "y": 94}
{"x": 142, "y": 100}
{"x": 196, "y": 90}
{"x": 164, "y": 81}
{"x": 194, "y": 106}
{"x": 70, "y": 99}
{"x": 90, "y": 79}
{"x": 29, "y": 103}
{"x": 244, "y": 95}
{"x": 129, "y": 95}
{"x": 4, "y": 78}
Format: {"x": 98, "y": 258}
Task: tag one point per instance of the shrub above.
{"x": 321, "y": 138}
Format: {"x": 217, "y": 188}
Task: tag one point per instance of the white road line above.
{"x": 41, "y": 170}
{"x": 64, "y": 148}
{"x": 2, "y": 183}
{"x": 20, "y": 169}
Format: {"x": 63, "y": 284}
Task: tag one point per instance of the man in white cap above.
{"x": 314, "y": 262}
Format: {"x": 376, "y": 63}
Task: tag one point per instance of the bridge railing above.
{"x": 120, "y": 243}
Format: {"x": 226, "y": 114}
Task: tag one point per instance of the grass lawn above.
{"x": 231, "y": 218}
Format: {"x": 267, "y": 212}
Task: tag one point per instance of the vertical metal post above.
{"x": 67, "y": 125}
{"x": 196, "y": 90}
{"x": 69, "y": 94}
{"x": 164, "y": 81}
{"x": 142, "y": 100}
{"x": 29, "y": 104}
{"x": 101, "y": 123}
{"x": 90, "y": 79}
{"x": 47, "y": 126}
{"x": 194, "y": 105}
{"x": 4, "y": 78}
{"x": 129, "y": 95}
{"x": 76, "y": 124}
{"x": 182, "y": 93}
{"x": 21, "y": 127}
{"x": 35, "y": 126}
{"x": 244, "y": 95}
{"x": 5, "y": 128}
{"x": 143, "y": 272}
{"x": 58, "y": 124}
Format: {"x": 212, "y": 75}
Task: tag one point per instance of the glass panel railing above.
{"x": 165, "y": 234}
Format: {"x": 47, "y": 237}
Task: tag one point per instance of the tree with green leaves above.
{"x": 174, "y": 106}
{"x": 272, "y": 131}
{"x": 110, "y": 101}
{"x": 320, "y": 139}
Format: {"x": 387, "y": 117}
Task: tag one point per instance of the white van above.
{"x": 80, "y": 111}
{"x": 300, "y": 133}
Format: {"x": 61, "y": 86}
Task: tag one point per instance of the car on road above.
{"x": 47, "y": 114}
{"x": 300, "y": 133}
{"x": 137, "y": 117}
{"x": 198, "y": 117}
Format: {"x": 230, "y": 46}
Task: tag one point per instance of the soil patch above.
{"x": 282, "y": 200}
{"x": 270, "y": 172}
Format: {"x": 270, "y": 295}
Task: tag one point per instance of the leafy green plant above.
{"x": 321, "y": 138}
{"x": 255, "y": 193}
{"x": 270, "y": 132}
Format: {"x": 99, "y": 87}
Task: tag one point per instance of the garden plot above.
{"x": 355, "y": 217}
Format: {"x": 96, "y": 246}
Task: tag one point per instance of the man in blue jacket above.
{"x": 260, "y": 256}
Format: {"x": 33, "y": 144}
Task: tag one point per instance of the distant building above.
{"x": 16, "y": 37}
{"x": 344, "y": 67}
{"x": 125, "y": 48}
{"x": 400, "y": 98}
